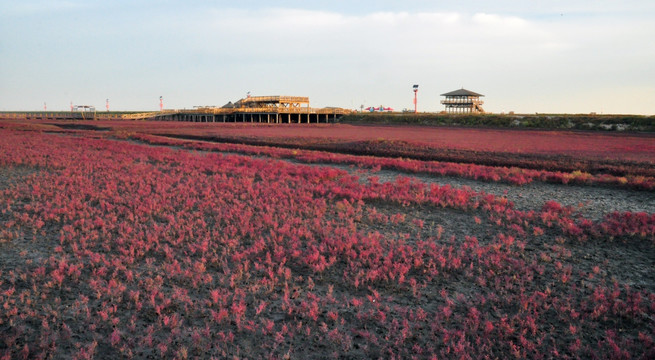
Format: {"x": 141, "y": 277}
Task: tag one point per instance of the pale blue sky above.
{"x": 524, "y": 56}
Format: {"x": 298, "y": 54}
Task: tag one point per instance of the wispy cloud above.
{"x": 295, "y": 32}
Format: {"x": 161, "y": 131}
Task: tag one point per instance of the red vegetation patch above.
{"x": 513, "y": 175}
{"x": 128, "y": 250}
{"x": 631, "y": 147}
{"x": 596, "y": 145}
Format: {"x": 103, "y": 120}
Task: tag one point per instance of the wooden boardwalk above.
{"x": 258, "y": 109}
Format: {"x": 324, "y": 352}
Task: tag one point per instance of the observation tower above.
{"x": 463, "y": 101}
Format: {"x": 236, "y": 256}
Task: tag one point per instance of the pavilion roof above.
{"x": 461, "y": 92}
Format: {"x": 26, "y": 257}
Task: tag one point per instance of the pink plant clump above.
{"x": 128, "y": 250}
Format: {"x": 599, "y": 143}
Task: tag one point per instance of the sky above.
{"x": 524, "y": 56}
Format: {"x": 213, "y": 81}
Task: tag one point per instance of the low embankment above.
{"x": 539, "y": 121}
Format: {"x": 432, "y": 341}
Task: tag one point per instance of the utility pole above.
{"x": 415, "y": 87}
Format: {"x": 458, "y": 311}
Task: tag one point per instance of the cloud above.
{"x": 522, "y": 60}
{"x": 376, "y": 53}
{"x": 296, "y": 33}
{"x": 498, "y": 21}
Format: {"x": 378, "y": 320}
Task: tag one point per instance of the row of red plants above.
{"x": 634, "y": 147}
{"x": 512, "y": 175}
{"x": 511, "y": 167}
{"x": 566, "y": 151}
{"x": 136, "y": 251}
{"x": 555, "y": 161}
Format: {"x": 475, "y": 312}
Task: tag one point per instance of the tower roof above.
{"x": 461, "y": 92}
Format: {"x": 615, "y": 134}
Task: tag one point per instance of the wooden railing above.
{"x": 277, "y": 99}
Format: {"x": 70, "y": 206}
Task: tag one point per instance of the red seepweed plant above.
{"x": 150, "y": 251}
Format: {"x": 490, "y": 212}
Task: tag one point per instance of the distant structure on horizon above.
{"x": 463, "y": 101}
{"x": 269, "y": 109}
{"x": 380, "y": 109}
{"x": 260, "y": 109}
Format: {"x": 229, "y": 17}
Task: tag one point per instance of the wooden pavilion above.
{"x": 463, "y": 101}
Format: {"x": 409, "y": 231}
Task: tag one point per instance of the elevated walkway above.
{"x": 261, "y": 109}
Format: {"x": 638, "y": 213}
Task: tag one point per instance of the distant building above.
{"x": 463, "y": 101}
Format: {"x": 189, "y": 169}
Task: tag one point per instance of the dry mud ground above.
{"x": 629, "y": 262}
